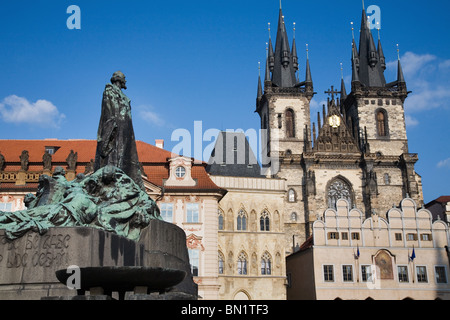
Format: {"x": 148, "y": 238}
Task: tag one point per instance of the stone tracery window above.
{"x": 337, "y": 190}
{"x": 221, "y": 222}
{"x": 242, "y": 263}
{"x": 266, "y": 264}
{"x": 242, "y": 221}
{"x": 264, "y": 221}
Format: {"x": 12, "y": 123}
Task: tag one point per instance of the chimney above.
{"x": 159, "y": 143}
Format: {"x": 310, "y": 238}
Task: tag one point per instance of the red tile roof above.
{"x": 154, "y": 159}
{"x": 443, "y": 199}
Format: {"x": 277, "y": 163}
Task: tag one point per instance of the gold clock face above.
{"x": 334, "y": 121}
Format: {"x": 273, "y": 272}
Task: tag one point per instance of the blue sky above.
{"x": 189, "y": 61}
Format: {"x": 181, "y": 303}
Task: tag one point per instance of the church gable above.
{"x": 334, "y": 136}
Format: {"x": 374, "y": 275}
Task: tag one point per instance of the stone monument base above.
{"x": 28, "y": 265}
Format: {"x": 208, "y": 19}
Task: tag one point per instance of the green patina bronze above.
{"x": 112, "y": 199}
{"x": 108, "y": 200}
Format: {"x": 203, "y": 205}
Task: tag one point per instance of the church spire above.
{"x": 260, "y": 91}
{"x": 283, "y": 74}
{"x": 308, "y": 78}
{"x": 370, "y": 69}
{"x": 400, "y": 76}
{"x": 294, "y": 53}
{"x": 380, "y": 50}
{"x": 343, "y": 90}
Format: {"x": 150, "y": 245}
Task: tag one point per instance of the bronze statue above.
{"x": 116, "y": 145}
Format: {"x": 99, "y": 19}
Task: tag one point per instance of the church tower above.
{"x": 284, "y": 105}
{"x": 358, "y": 148}
{"x": 375, "y": 113}
{"x": 284, "y": 109}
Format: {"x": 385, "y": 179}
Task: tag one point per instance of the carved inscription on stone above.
{"x": 33, "y": 250}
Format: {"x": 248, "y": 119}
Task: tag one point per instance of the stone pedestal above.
{"x": 28, "y": 265}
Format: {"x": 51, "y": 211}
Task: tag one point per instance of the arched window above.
{"x": 291, "y": 195}
{"x": 339, "y": 189}
{"x": 221, "y": 263}
{"x": 387, "y": 179}
{"x": 290, "y": 123}
{"x": 264, "y": 221}
{"x": 266, "y": 264}
{"x": 242, "y": 221}
{"x": 242, "y": 263}
{"x": 220, "y": 219}
{"x": 294, "y": 216}
{"x": 382, "y": 126}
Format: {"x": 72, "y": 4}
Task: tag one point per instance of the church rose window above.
{"x": 339, "y": 190}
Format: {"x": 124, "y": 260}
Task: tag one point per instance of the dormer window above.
{"x": 180, "y": 172}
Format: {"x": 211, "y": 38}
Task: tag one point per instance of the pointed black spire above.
{"x": 400, "y": 76}
{"x": 343, "y": 90}
{"x": 260, "y": 91}
{"x": 370, "y": 71}
{"x": 294, "y": 53}
{"x": 283, "y": 74}
{"x": 308, "y": 78}
{"x": 355, "y": 64}
{"x": 380, "y": 52}
{"x": 271, "y": 56}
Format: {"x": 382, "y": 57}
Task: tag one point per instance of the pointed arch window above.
{"x": 382, "y": 125}
{"x": 339, "y": 189}
{"x": 221, "y": 221}
{"x": 292, "y": 196}
{"x": 221, "y": 263}
{"x": 264, "y": 221}
{"x": 242, "y": 263}
{"x": 290, "y": 123}
{"x": 242, "y": 221}
{"x": 266, "y": 264}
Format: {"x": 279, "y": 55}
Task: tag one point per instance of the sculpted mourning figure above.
{"x": 116, "y": 145}
{"x": 72, "y": 160}
{"x": 47, "y": 160}
{"x": 24, "y": 160}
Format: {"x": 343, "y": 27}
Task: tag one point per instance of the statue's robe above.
{"x": 116, "y": 145}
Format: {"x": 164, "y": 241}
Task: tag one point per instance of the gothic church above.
{"x": 357, "y": 150}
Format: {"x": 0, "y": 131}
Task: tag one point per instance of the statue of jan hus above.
{"x": 116, "y": 145}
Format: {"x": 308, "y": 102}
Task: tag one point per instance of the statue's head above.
{"x": 119, "y": 77}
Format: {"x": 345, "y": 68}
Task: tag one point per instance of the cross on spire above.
{"x": 332, "y": 92}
